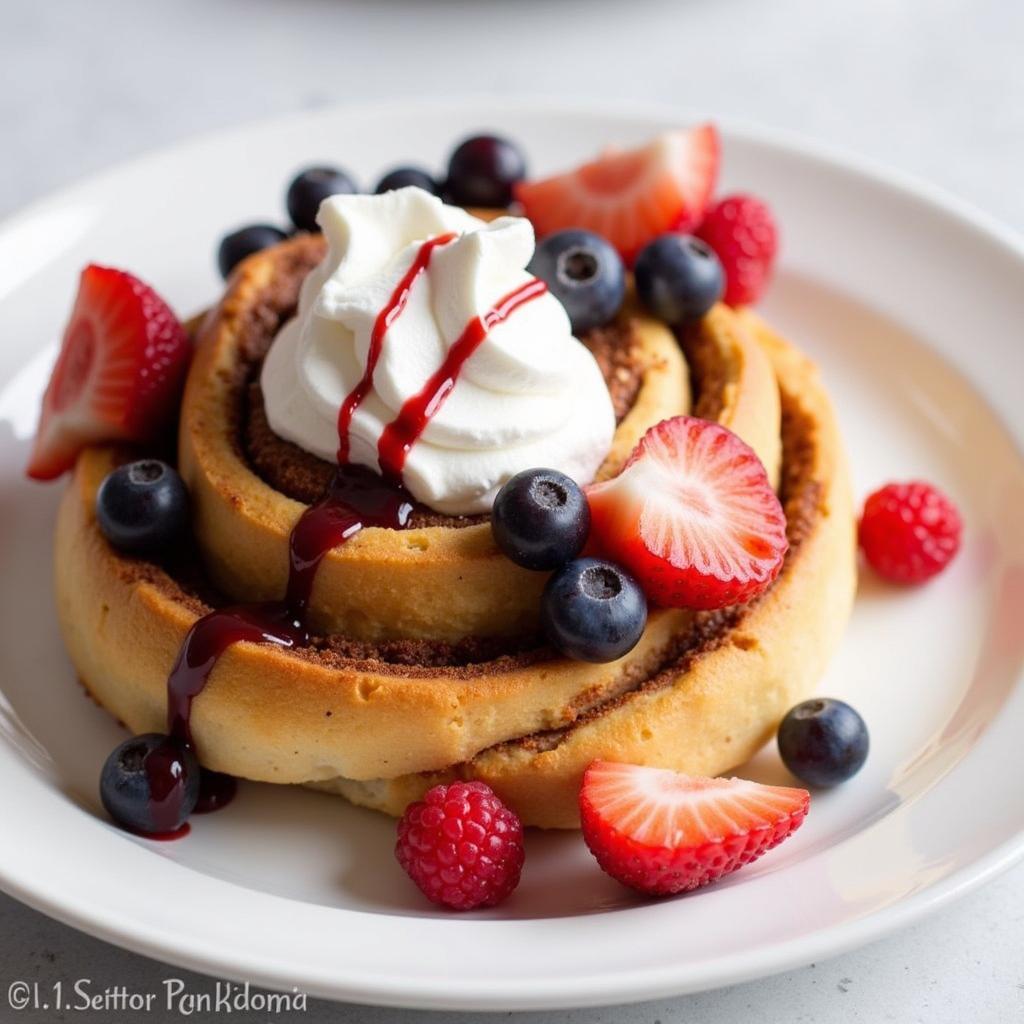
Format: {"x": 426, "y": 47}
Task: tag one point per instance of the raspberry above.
{"x": 909, "y": 532}
{"x": 461, "y": 845}
{"x": 742, "y": 231}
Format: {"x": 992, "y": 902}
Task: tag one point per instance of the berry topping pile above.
{"x": 119, "y": 374}
{"x": 662, "y": 833}
{"x": 591, "y": 609}
{"x": 909, "y": 532}
{"x": 693, "y": 516}
{"x": 690, "y": 522}
{"x": 462, "y": 846}
{"x": 649, "y": 202}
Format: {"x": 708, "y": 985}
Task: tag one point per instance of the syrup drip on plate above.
{"x": 216, "y": 790}
{"x": 357, "y": 498}
{"x": 164, "y": 771}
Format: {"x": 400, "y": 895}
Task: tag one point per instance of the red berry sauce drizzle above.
{"x": 385, "y": 318}
{"x": 357, "y": 498}
{"x": 407, "y": 427}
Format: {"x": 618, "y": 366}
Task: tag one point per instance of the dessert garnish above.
{"x": 540, "y": 519}
{"x": 118, "y": 375}
{"x": 405, "y": 177}
{"x": 142, "y": 507}
{"x": 630, "y": 196}
{"x": 823, "y": 741}
{"x": 693, "y": 516}
{"x": 150, "y": 785}
{"x": 909, "y": 532}
{"x": 234, "y": 247}
{"x": 742, "y": 231}
{"x": 593, "y": 610}
{"x": 661, "y": 832}
{"x": 483, "y": 171}
{"x": 309, "y": 188}
{"x": 461, "y": 846}
{"x": 678, "y": 278}
{"x": 585, "y": 274}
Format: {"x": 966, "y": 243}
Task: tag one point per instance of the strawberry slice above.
{"x": 118, "y": 375}
{"x": 630, "y": 196}
{"x": 692, "y": 515}
{"x": 662, "y": 832}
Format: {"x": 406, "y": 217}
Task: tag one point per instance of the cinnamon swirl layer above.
{"x": 441, "y": 579}
{"x": 729, "y": 676}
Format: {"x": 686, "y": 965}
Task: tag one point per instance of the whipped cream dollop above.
{"x": 530, "y": 395}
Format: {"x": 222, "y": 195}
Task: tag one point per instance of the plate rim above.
{"x": 632, "y": 985}
{"x": 642, "y": 986}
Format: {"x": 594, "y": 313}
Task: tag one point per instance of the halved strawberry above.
{"x": 692, "y": 515}
{"x": 631, "y": 196}
{"x": 662, "y": 832}
{"x": 118, "y": 375}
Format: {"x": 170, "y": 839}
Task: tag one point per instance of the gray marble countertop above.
{"x": 930, "y": 86}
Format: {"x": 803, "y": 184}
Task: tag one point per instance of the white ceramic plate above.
{"x": 913, "y": 307}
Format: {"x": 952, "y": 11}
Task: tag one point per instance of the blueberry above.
{"x": 593, "y": 610}
{"x": 244, "y": 242}
{"x": 823, "y": 741}
{"x": 482, "y": 171}
{"x": 142, "y": 507}
{"x": 403, "y": 177}
{"x": 679, "y": 278}
{"x": 540, "y": 519}
{"x": 585, "y": 273}
{"x": 309, "y": 188}
{"x": 150, "y": 783}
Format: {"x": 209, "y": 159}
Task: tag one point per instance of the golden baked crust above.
{"x": 279, "y": 716}
{"x": 723, "y": 697}
{"x": 434, "y": 582}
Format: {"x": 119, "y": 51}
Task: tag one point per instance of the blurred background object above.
{"x": 931, "y": 86}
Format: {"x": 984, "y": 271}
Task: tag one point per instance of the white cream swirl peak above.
{"x": 530, "y": 394}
